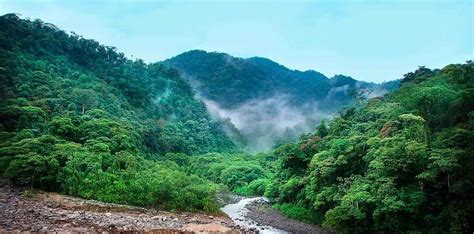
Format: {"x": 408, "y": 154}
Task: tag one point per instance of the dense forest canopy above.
{"x": 79, "y": 118}
{"x": 402, "y": 162}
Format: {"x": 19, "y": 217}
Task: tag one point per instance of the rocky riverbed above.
{"x": 39, "y": 211}
{"x": 261, "y": 212}
{"x": 51, "y": 212}
{"x": 238, "y": 213}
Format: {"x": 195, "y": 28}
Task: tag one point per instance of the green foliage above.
{"x": 78, "y": 117}
{"x": 242, "y": 173}
{"x": 401, "y": 163}
{"x": 243, "y": 190}
{"x": 258, "y": 186}
{"x": 238, "y": 175}
{"x": 297, "y": 212}
{"x": 260, "y": 78}
{"x": 33, "y": 170}
{"x": 80, "y": 90}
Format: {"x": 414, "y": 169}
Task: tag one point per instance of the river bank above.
{"x": 260, "y": 211}
{"x": 52, "y": 212}
{"x": 40, "y": 211}
{"x": 238, "y": 213}
{"x": 257, "y": 214}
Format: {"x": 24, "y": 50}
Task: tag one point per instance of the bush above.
{"x": 33, "y": 170}
{"x": 243, "y": 190}
{"x": 239, "y": 175}
{"x": 257, "y": 187}
{"x": 297, "y": 212}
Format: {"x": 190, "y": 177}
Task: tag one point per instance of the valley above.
{"x": 91, "y": 140}
{"x": 263, "y": 104}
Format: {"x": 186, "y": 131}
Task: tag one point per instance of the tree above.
{"x": 322, "y": 130}
{"x": 84, "y": 98}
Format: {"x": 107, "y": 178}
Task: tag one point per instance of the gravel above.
{"x": 262, "y": 212}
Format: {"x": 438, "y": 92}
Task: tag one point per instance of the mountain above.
{"x": 268, "y": 103}
{"x": 78, "y": 117}
{"x": 232, "y": 81}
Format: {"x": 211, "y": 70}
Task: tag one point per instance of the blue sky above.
{"x": 368, "y": 40}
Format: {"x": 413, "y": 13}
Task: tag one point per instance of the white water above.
{"x": 237, "y": 212}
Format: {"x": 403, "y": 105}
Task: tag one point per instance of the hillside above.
{"x": 268, "y": 103}
{"x": 80, "y": 118}
{"x": 402, "y": 162}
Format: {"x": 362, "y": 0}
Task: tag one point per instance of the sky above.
{"x": 368, "y": 40}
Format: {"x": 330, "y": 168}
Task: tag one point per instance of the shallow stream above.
{"x": 237, "y": 212}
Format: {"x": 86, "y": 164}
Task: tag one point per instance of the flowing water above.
{"x": 237, "y": 212}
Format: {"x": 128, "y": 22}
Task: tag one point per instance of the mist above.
{"x": 378, "y": 92}
{"x": 266, "y": 123}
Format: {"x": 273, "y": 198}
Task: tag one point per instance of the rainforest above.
{"x": 79, "y": 118}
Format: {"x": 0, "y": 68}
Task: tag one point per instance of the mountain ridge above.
{"x": 259, "y": 96}
{"x": 210, "y": 69}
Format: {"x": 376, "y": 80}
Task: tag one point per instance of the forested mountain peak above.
{"x": 341, "y": 80}
{"x": 245, "y": 90}
{"x": 271, "y": 66}
{"x": 253, "y": 78}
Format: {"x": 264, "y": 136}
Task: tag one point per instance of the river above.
{"x": 237, "y": 212}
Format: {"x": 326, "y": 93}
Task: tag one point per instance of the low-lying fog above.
{"x": 268, "y": 122}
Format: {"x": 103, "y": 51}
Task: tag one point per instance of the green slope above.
{"x": 403, "y": 162}
{"x": 79, "y": 117}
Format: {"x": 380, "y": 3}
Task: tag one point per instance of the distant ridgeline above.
{"x": 268, "y": 103}
{"x": 79, "y": 117}
{"x": 232, "y": 81}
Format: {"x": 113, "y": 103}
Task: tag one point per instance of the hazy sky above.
{"x": 369, "y": 40}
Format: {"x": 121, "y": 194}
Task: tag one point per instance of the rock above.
{"x": 108, "y": 214}
{"x": 66, "y": 225}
